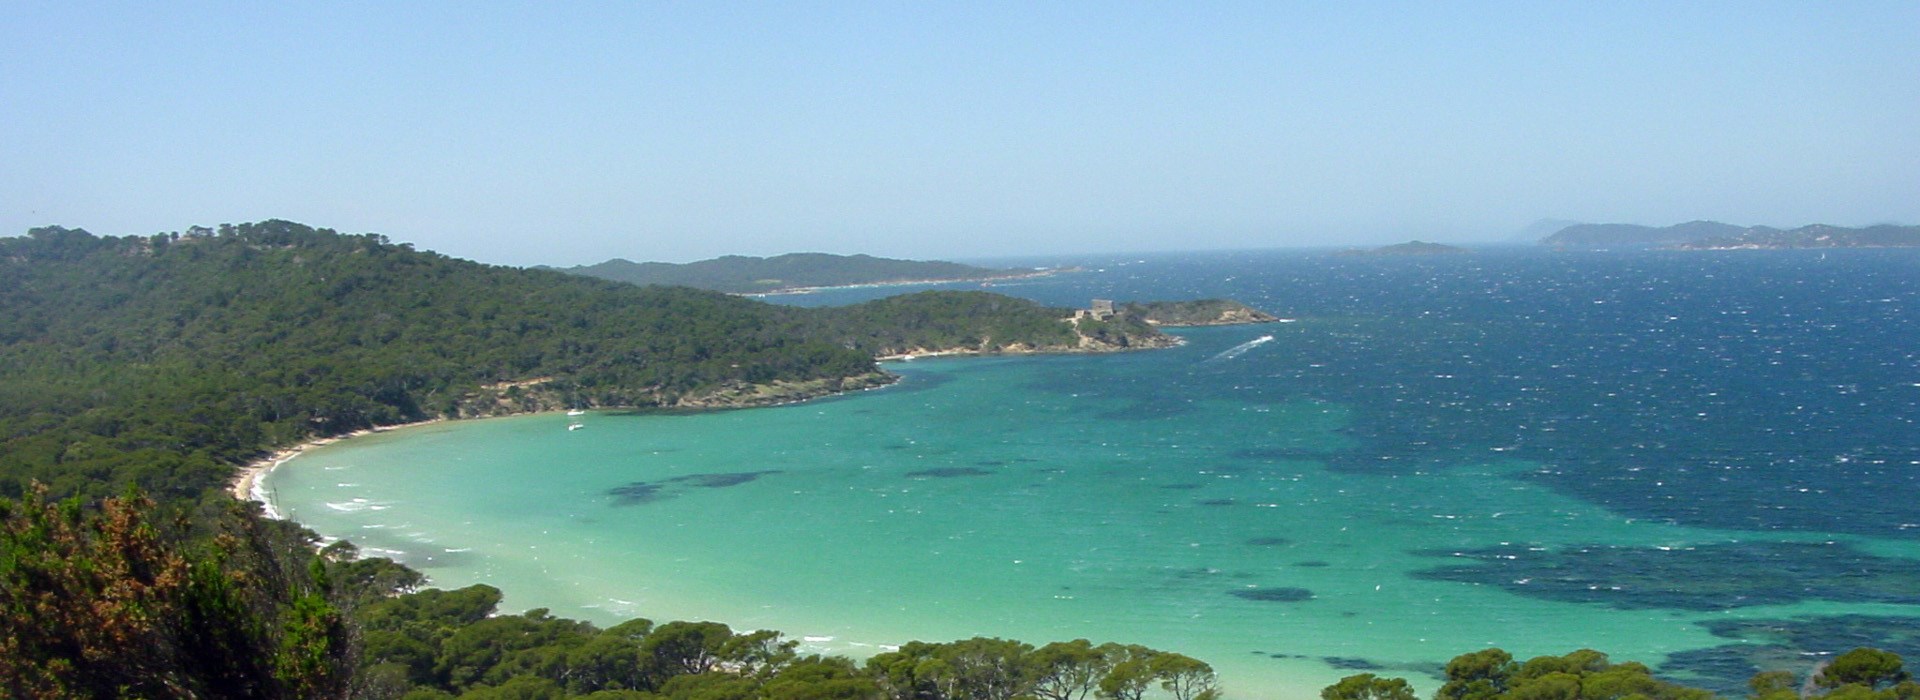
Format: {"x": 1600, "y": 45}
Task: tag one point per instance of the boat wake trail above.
{"x": 1240, "y": 349}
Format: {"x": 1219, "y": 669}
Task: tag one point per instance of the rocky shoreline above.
{"x": 747, "y": 395}
{"x": 1088, "y": 346}
{"x": 1192, "y": 314}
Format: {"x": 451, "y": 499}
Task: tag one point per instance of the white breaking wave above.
{"x": 258, "y": 493}
{"x": 357, "y": 505}
{"x": 1240, "y": 349}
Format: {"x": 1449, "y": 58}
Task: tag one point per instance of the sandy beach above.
{"x": 247, "y": 481}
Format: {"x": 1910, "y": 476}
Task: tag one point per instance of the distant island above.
{"x": 793, "y": 272}
{"x": 1408, "y": 248}
{"x": 1714, "y": 235}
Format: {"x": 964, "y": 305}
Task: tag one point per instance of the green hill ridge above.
{"x": 163, "y": 360}
{"x": 740, "y": 274}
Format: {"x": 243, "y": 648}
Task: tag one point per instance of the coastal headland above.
{"x": 1104, "y": 328}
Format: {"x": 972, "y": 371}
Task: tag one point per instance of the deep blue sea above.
{"x": 1705, "y": 461}
{"x": 1662, "y": 384}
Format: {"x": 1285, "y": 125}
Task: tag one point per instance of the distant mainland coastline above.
{"x": 798, "y": 273}
{"x": 985, "y": 282}
{"x": 1714, "y": 235}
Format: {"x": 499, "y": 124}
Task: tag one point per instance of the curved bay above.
{"x": 1604, "y": 420}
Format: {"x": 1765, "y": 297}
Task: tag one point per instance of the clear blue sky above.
{"x": 572, "y": 133}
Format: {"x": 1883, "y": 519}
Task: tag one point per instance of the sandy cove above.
{"x": 249, "y": 477}
{"x": 245, "y": 483}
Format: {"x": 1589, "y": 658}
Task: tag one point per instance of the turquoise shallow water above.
{"x": 1437, "y": 457}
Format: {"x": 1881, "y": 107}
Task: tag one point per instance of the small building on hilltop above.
{"x": 1101, "y": 310}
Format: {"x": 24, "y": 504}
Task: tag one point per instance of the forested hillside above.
{"x": 1199, "y": 312}
{"x": 973, "y": 321}
{"x": 162, "y": 361}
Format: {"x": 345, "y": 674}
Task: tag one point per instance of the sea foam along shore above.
{"x": 250, "y": 483}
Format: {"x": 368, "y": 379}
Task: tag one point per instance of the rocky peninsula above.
{"x": 1203, "y": 312}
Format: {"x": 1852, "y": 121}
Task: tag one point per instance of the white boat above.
{"x": 576, "y": 426}
{"x": 576, "y": 412}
